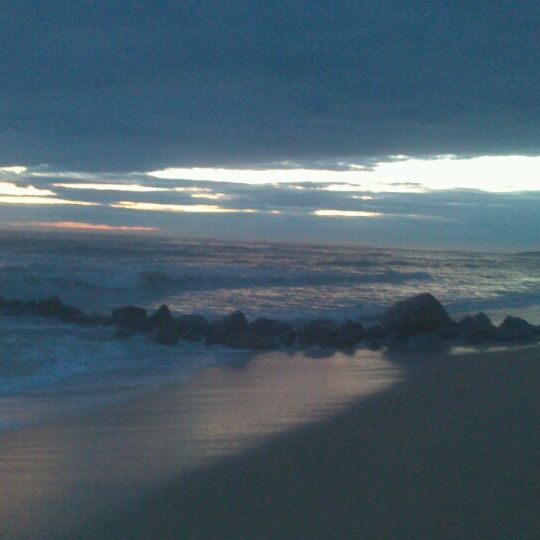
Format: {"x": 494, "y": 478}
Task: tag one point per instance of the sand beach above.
{"x": 280, "y": 446}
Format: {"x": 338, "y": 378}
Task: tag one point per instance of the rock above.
{"x": 347, "y": 335}
{"x": 397, "y": 343}
{"x": 30, "y": 307}
{"x": 129, "y": 317}
{"x": 375, "y": 332}
{"x": 317, "y": 332}
{"x": 53, "y": 307}
{"x": 418, "y": 343}
{"x": 272, "y": 328}
{"x": 227, "y": 328}
{"x": 192, "y": 327}
{"x": 516, "y": 329}
{"x": 69, "y": 314}
{"x": 50, "y": 307}
{"x": 373, "y": 343}
{"x": 421, "y": 313}
{"x": 160, "y": 317}
{"x": 15, "y": 307}
{"x": 325, "y": 334}
{"x": 428, "y": 343}
{"x": 124, "y": 333}
{"x": 450, "y": 331}
{"x": 477, "y": 329}
{"x": 265, "y": 334}
{"x": 92, "y": 319}
{"x": 167, "y": 333}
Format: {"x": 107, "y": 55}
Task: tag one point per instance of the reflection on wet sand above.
{"x": 56, "y": 475}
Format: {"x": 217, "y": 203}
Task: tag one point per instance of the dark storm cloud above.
{"x": 121, "y": 85}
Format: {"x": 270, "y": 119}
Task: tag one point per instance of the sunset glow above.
{"x": 76, "y": 225}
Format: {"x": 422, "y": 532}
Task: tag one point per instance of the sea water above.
{"x": 98, "y": 273}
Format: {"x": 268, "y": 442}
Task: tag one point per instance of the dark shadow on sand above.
{"x": 452, "y": 452}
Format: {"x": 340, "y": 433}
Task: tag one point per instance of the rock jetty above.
{"x": 417, "y": 322}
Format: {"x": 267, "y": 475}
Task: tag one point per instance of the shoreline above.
{"x": 247, "y": 445}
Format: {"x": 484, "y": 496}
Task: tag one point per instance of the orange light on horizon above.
{"x": 76, "y": 225}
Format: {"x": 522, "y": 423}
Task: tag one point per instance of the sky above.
{"x": 412, "y": 124}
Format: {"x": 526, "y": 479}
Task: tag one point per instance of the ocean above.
{"x": 98, "y": 273}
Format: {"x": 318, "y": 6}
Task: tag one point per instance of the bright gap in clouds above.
{"x": 137, "y": 188}
{"x": 345, "y": 213}
{"x": 181, "y": 208}
{"x": 16, "y": 169}
{"x": 497, "y": 174}
{"x": 12, "y": 190}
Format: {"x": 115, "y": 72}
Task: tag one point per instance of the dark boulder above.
{"x": 49, "y": 307}
{"x": 375, "y": 344}
{"x": 279, "y": 330}
{"x": 449, "y": 331}
{"x": 428, "y": 343}
{"x": 516, "y": 329}
{"x": 266, "y": 334}
{"x": 192, "y": 327}
{"x": 15, "y": 307}
{"x": 29, "y": 307}
{"x": 375, "y": 332}
{"x": 421, "y": 313}
{"x": 92, "y": 319}
{"x": 69, "y": 314}
{"x": 129, "y": 317}
{"x": 477, "y": 329}
{"x": 53, "y": 307}
{"x": 374, "y": 337}
{"x": 160, "y": 317}
{"x": 225, "y": 331}
{"x": 124, "y": 332}
{"x": 329, "y": 336}
{"x": 321, "y": 332}
{"x": 349, "y": 334}
{"x": 167, "y": 333}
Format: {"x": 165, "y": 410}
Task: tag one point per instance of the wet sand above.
{"x": 62, "y": 473}
{"x": 342, "y": 447}
{"x": 453, "y": 452}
